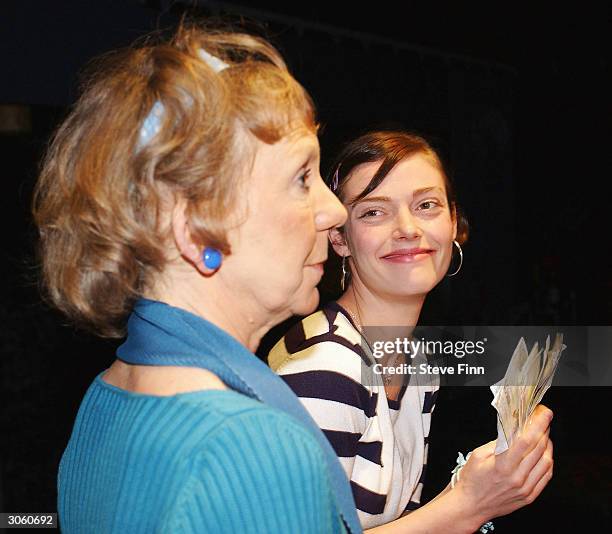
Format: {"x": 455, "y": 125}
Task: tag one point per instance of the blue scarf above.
{"x": 159, "y": 334}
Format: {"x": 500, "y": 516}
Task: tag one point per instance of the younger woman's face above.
{"x": 400, "y": 235}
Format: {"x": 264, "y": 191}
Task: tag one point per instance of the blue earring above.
{"x": 212, "y": 258}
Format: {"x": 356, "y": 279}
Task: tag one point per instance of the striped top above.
{"x": 207, "y": 461}
{"x": 381, "y": 443}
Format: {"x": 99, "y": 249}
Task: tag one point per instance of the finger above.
{"x": 543, "y": 465}
{"x": 518, "y": 475}
{"x": 540, "y": 485}
{"x": 534, "y": 456}
{"x": 531, "y": 434}
{"x": 511, "y": 462}
{"x": 542, "y": 411}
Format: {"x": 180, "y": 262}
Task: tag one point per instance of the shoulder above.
{"x": 236, "y": 414}
{"x": 325, "y": 340}
{"x": 238, "y": 420}
{"x": 160, "y": 380}
{"x": 259, "y": 471}
{"x": 185, "y": 423}
{"x": 248, "y": 418}
{"x": 250, "y": 440}
{"x": 322, "y": 361}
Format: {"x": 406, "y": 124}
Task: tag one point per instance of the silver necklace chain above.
{"x": 387, "y": 378}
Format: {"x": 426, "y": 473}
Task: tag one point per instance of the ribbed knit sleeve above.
{"x": 260, "y": 472}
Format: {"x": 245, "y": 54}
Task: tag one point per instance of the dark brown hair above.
{"x": 100, "y": 196}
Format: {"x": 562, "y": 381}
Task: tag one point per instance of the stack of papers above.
{"x": 528, "y": 377}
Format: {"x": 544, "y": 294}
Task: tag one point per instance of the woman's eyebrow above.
{"x": 423, "y": 190}
{"x": 369, "y": 199}
{"x": 415, "y": 193}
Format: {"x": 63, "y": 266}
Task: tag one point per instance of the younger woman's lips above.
{"x": 408, "y": 257}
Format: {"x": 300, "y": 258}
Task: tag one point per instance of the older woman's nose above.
{"x": 330, "y": 212}
{"x": 406, "y": 225}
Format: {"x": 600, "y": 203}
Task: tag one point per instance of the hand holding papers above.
{"x": 528, "y": 377}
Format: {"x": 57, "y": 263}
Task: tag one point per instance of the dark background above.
{"x": 517, "y": 99}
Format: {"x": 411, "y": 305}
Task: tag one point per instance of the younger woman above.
{"x": 396, "y": 246}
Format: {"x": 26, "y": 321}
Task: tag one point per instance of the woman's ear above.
{"x": 187, "y": 247}
{"x": 338, "y": 241}
{"x": 454, "y": 219}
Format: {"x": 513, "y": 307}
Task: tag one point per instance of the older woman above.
{"x": 183, "y": 191}
{"x": 396, "y": 245}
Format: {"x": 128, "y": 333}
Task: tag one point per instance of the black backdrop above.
{"x": 518, "y": 103}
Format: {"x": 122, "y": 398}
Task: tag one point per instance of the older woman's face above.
{"x": 400, "y": 235}
{"x": 279, "y": 250}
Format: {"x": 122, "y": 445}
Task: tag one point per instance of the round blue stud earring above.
{"x": 212, "y": 258}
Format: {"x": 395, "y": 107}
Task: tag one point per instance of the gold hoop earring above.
{"x": 460, "y": 259}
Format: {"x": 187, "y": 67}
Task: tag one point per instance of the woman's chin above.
{"x": 412, "y": 286}
{"x": 305, "y": 304}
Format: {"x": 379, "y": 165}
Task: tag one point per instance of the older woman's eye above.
{"x": 303, "y": 180}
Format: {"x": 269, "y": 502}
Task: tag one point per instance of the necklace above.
{"x": 386, "y": 377}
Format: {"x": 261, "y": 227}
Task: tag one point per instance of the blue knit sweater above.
{"x": 206, "y": 461}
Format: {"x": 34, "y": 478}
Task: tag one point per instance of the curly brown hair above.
{"x": 100, "y": 197}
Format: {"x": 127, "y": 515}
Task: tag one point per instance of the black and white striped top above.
{"x": 381, "y": 443}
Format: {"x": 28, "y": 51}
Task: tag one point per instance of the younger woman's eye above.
{"x": 370, "y": 213}
{"x": 428, "y": 205}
